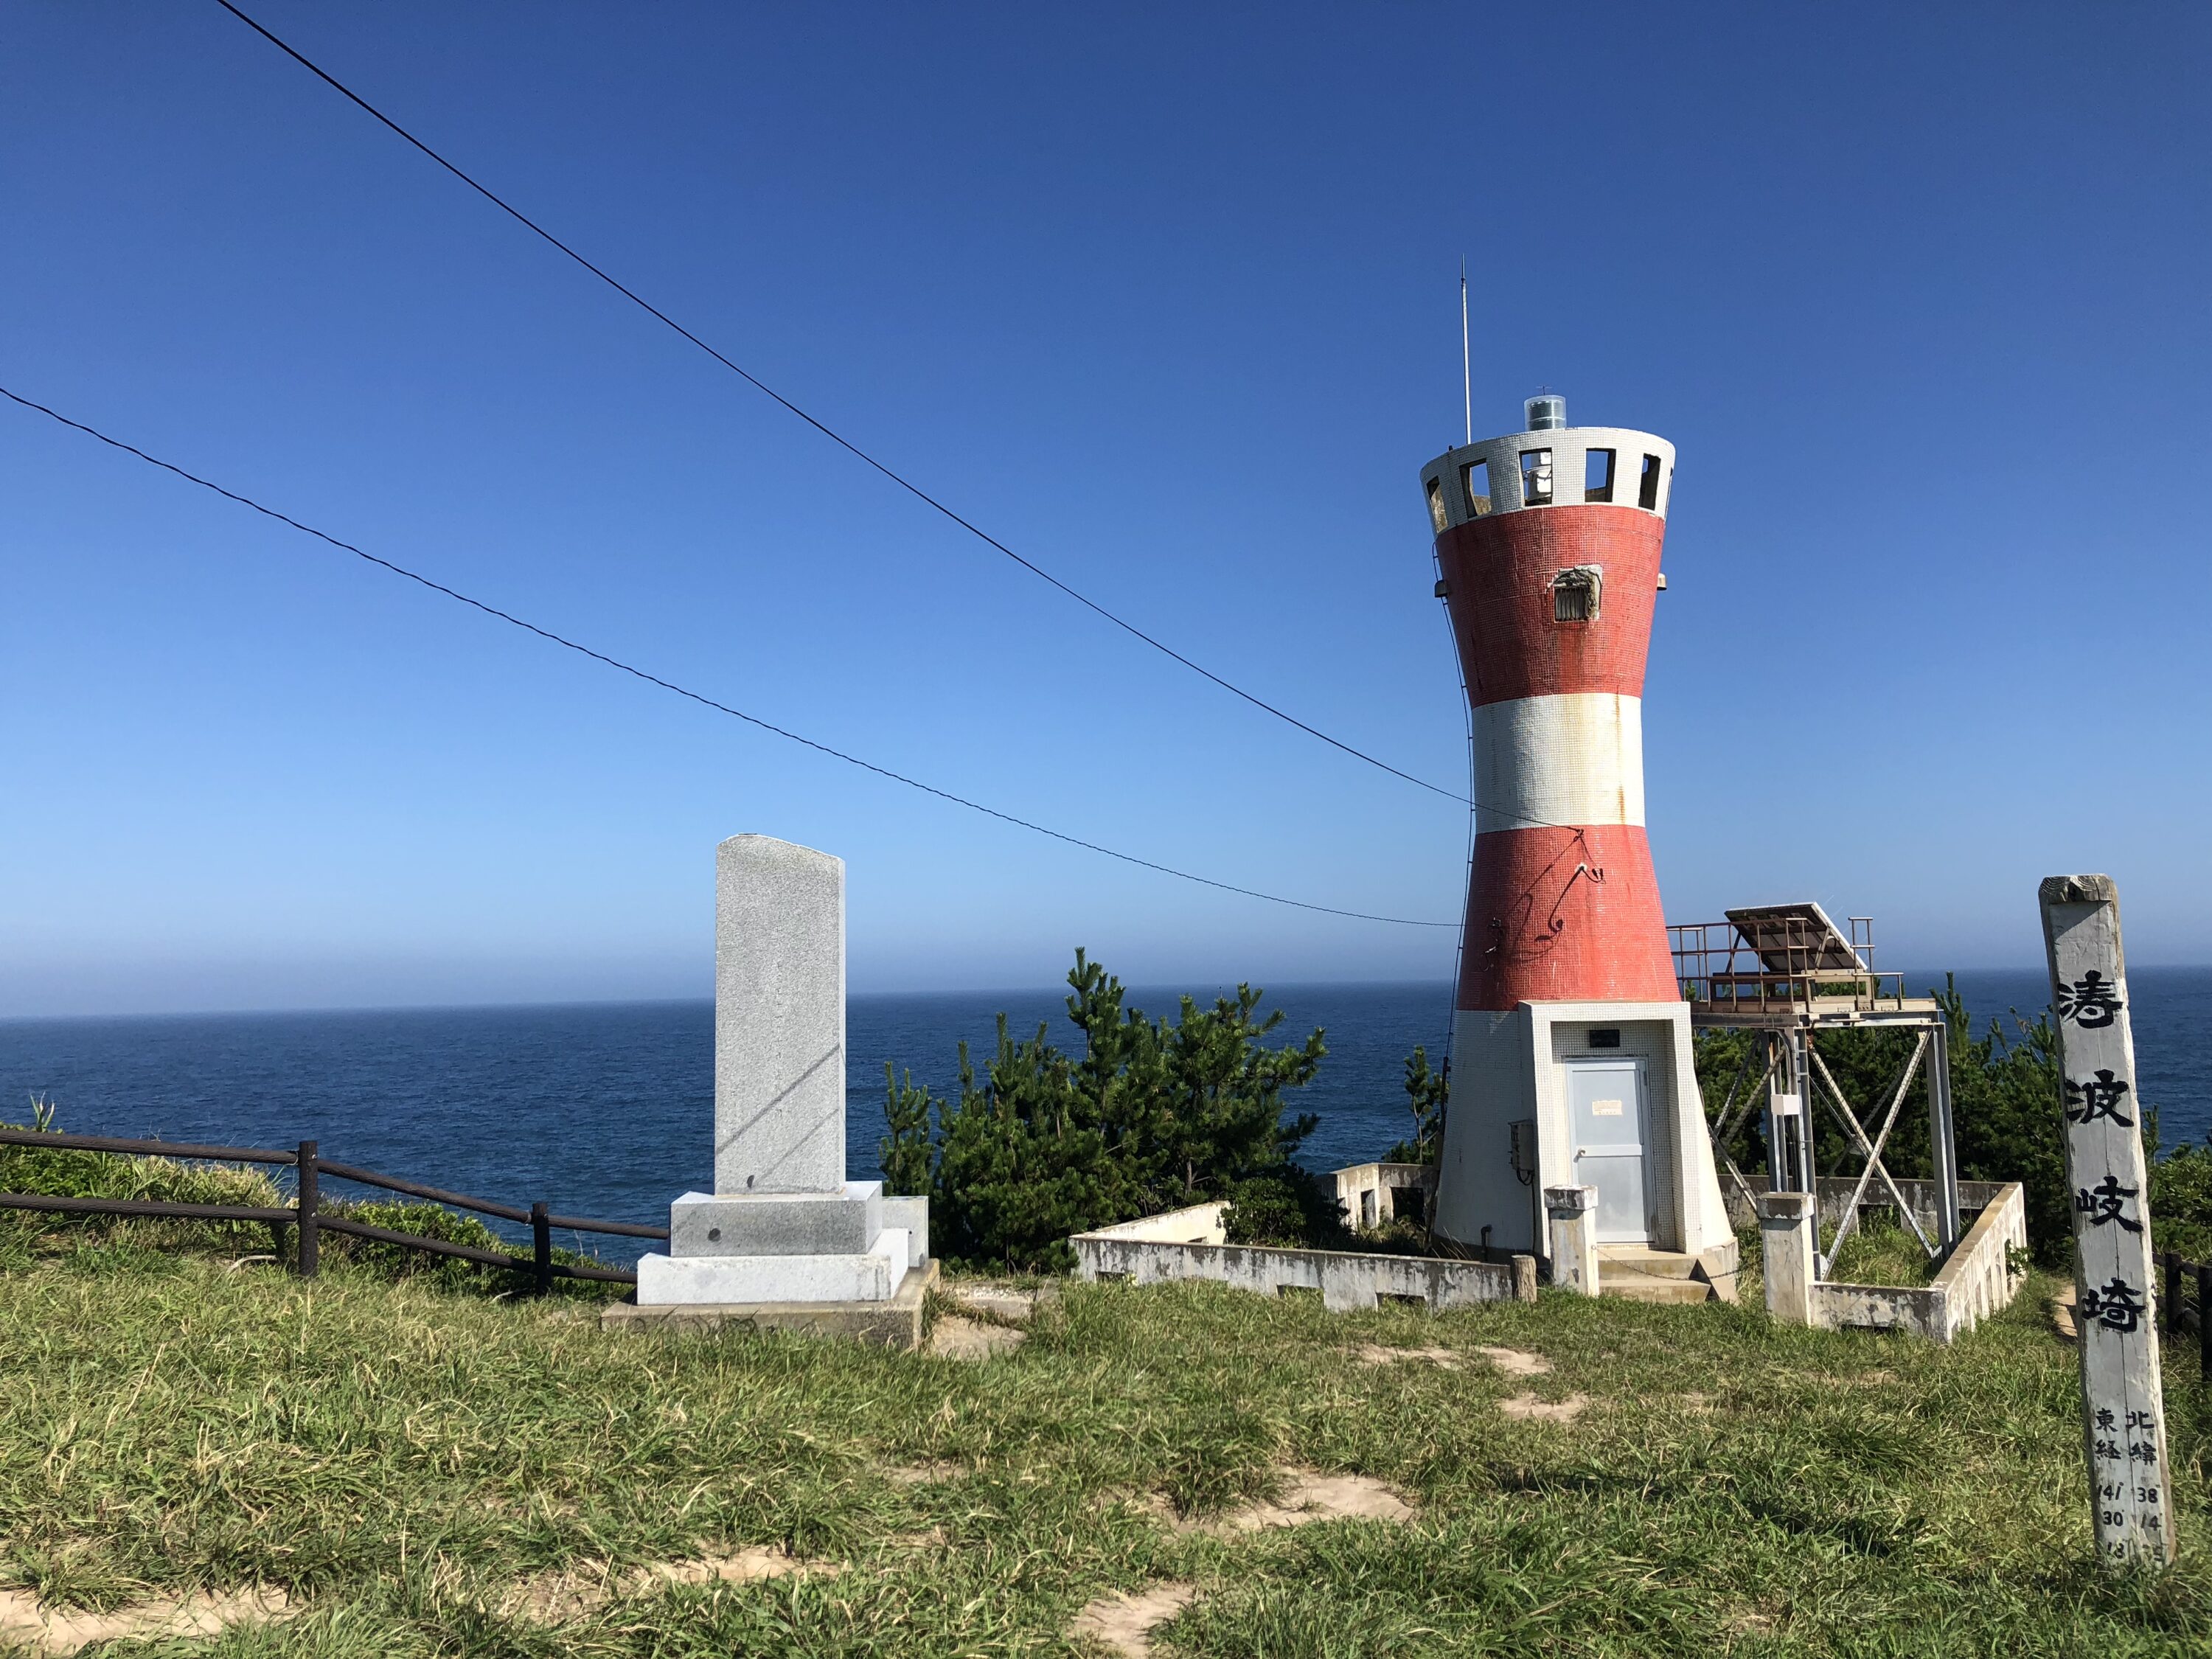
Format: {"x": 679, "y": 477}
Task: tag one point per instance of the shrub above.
{"x": 2181, "y": 1202}
{"x": 1148, "y": 1115}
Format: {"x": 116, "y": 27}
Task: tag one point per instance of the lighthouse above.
{"x": 1571, "y": 1059}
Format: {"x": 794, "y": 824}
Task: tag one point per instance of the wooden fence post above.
{"x": 309, "y": 1258}
{"x": 541, "y": 1241}
{"x": 2115, "y": 1289}
{"x": 2204, "y": 1322}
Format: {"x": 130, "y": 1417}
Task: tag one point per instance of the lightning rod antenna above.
{"x": 1466, "y": 356}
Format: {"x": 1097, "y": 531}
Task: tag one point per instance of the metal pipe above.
{"x": 1943, "y": 1147}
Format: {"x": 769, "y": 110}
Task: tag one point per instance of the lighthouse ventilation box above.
{"x": 1571, "y": 1039}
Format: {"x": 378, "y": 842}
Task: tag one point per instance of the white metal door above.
{"x": 1607, "y": 1106}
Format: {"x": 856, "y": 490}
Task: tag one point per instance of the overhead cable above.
{"x": 836, "y": 437}
{"x": 547, "y": 634}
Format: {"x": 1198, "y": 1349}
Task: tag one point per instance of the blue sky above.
{"x": 1164, "y": 297}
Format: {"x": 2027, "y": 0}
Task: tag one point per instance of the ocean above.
{"x": 606, "y": 1110}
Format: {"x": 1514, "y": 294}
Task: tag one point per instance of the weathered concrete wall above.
{"x": 1494, "y": 1085}
{"x": 1148, "y": 1252}
{"x": 1979, "y": 1281}
{"x": 1365, "y": 1190}
{"x": 1836, "y": 1193}
{"x": 1573, "y": 1211}
{"x": 1786, "y": 1235}
{"x": 1975, "y": 1283}
{"x": 1200, "y": 1223}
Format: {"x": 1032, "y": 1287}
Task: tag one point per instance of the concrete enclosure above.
{"x": 1976, "y": 1280}
{"x": 1375, "y": 1194}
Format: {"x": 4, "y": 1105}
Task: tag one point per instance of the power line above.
{"x": 698, "y": 697}
{"x": 837, "y": 438}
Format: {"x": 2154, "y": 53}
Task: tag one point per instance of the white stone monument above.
{"x": 783, "y": 1228}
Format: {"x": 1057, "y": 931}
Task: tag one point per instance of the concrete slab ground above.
{"x": 894, "y": 1323}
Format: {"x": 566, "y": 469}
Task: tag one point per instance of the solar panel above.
{"x": 1796, "y": 938}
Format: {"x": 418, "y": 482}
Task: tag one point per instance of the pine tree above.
{"x": 1147, "y": 1116}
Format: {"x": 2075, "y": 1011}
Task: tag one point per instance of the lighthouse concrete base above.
{"x": 1598, "y": 1095}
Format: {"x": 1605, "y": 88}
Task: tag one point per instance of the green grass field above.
{"x": 406, "y": 1460}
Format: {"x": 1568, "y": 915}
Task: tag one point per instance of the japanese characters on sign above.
{"x": 2124, "y": 1418}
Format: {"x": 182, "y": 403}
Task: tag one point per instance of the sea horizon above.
{"x": 1912, "y": 977}
{"x": 605, "y": 1108}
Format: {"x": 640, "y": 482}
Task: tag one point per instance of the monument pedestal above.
{"x": 778, "y": 1247}
{"x": 893, "y": 1324}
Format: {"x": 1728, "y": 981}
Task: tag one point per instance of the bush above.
{"x": 1287, "y": 1207}
{"x": 1148, "y": 1115}
{"x": 2181, "y": 1201}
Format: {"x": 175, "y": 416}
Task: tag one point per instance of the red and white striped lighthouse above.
{"x": 1547, "y": 545}
{"x": 1571, "y": 1042}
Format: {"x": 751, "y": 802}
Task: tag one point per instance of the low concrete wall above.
{"x": 1975, "y": 1283}
{"x": 1836, "y": 1193}
{"x": 1160, "y": 1248}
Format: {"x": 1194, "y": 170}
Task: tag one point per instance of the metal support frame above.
{"x": 1789, "y": 1137}
{"x": 1871, "y": 1151}
{"x": 1726, "y": 1124}
{"x": 1792, "y": 1066}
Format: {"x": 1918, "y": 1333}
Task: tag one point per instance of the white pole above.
{"x": 1466, "y": 356}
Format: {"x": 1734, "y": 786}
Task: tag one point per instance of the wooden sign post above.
{"x": 2123, "y": 1413}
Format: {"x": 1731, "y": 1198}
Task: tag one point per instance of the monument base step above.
{"x": 874, "y": 1276}
{"x": 896, "y": 1323}
{"x": 843, "y": 1222}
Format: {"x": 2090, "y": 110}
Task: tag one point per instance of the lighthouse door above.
{"x": 1606, "y": 1105}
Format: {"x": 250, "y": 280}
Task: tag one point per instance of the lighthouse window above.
{"x": 1597, "y": 476}
{"x": 1647, "y": 492}
{"x": 1436, "y": 504}
{"x": 1574, "y": 594}
{"x": 1475, "y": 485}
{"x": 1535, "y": 478}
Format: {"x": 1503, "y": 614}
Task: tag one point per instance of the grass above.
{"x": 397, "y": 1455}
{"x": 1881, "y": 1251}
